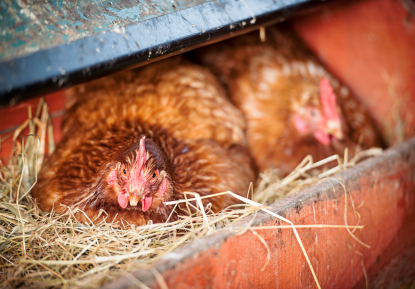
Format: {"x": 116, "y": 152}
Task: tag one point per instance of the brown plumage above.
{"x": 143, "y": 137}
{"x": 292, "y": 105}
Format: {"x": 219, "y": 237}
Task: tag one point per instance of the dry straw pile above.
{"x": 47, "y": 250}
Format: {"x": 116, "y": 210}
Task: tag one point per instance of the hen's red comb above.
{"x": 328, "y": 99}
{"x": 142, "y": 155}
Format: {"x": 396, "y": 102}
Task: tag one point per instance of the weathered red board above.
{"x": 14, "y": 116}
{"x": 383, "y": 191}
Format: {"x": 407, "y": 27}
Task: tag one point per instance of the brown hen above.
{"x": 292, "y": 105}
{"x": 143, "y": 137}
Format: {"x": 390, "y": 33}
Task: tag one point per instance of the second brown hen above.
{"x": 292, "y": 105}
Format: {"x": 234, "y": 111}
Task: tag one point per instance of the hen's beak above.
{"x": 133, "y": 200}
{"x": 334, "y": 128}
{"x": 139, "y": 194}
{"x": 135, "y": 197}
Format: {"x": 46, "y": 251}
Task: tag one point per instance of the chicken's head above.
{"x": 142, "y": 176}
{"x": 323, "y": 120}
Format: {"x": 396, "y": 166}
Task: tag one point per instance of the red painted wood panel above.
{"x": 370, "y": 45}
{"x": 13, "y": 116}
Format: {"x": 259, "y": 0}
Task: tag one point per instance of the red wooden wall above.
{"x": 12, "y": 117}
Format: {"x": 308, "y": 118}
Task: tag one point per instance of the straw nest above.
{"x": 47, "y": 250}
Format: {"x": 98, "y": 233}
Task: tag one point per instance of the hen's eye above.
{"x": 154, "y": 176}
{"x": 124, "y": 171}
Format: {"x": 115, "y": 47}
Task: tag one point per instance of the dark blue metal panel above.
{"x": 31, "y": 25}
{"x": 144, "y": 41}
